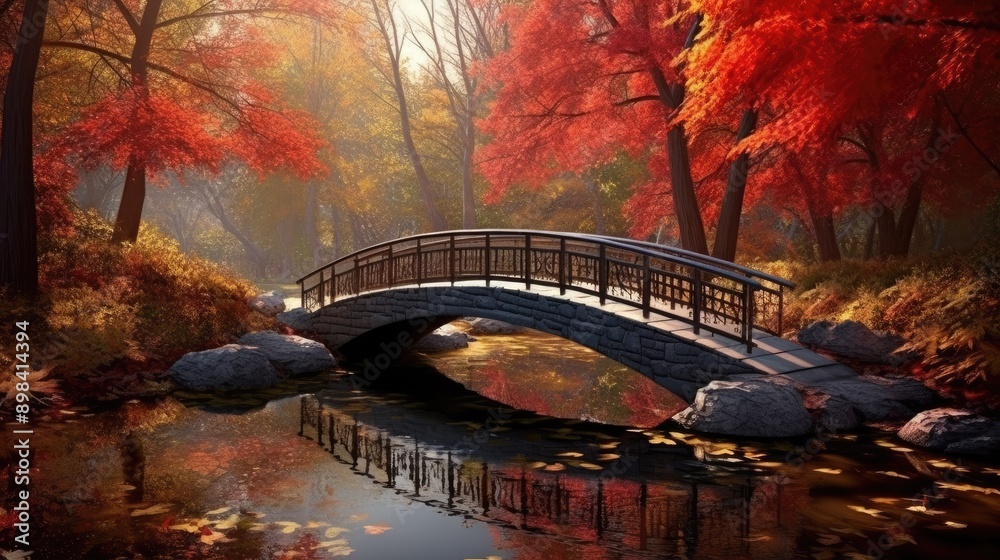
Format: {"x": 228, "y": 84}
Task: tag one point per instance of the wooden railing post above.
{"x": 357, "y": 276}
{"x": 696, "y": 300}
{"x": 748, "y": 317}
{"x": 488, "y": 261}
{"x": 527, "y": 261}
{"x": 420, "y": 265}
{"x": 602, "y": 274}
{"x": 322, "y": 290}
{"x": 391, "y": 273}
{"x": 781, "y": 309}
{"x": 646, "y": 285}
{"x": 451, "y": 259}
{"x": 563, "y": 280}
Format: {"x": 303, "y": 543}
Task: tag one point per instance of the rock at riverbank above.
{"x": 953, "y": 431}
{"x": 443, "y": 339}
{"x": 479, "y": 326}
{"x": 851, "y": 339}
{"x": 294, "y": 354}
{"x": 269, "y": 303}
{"x": 747, "y": 408}
{"x": 230, "y": 368}
{"x": 298, "y": 319}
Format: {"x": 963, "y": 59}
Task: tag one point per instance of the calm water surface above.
{"x": 419, "y": 467}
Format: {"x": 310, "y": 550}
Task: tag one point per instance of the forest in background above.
{"x": 274, "y": 136}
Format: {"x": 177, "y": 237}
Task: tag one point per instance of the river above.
{"x": 418, "y": 466}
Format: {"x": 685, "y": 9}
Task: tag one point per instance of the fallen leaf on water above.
{"x": 340, "y": 550}
{"x": 885, "y": 500}
{"x": 922, "y": 509}
{"x": 288, "y": 526}
{"x": 754, "y": 456}
{"x": 227, "y": 523}
{"x": 16, "y": 554}
{"x": 154, "y": 510}
{"x": 828, "y": 471}
{"x": 968, "y": 488}
{"x": 376, "y": 529}
{"x": 213, "y": 538}
{"x": 257, "y": 527}
{"x": 555, "y": 467}
{"x": 660, "y": 440}
{"x": 892, "y": 473}
{"x": 608, "y": 457}
{"x": 358, "y": 517}
{"x": 315, "y": 524}
{"x": 591, "y": 467}
{"x": 902, "y": 449}
{"x": 871, "y": 512}
{"x": 572, "y": 454}
{"x": 955, "y": 524}
{"x": 337, "y": 542}
{"x": 219, "y": 511}
{"x": 536, "y": 465}
{"x": 332, "y": 532}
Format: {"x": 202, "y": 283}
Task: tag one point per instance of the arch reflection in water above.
{"x": 640, "y": 507}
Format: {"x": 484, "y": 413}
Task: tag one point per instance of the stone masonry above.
{"x": 679, "y": 365}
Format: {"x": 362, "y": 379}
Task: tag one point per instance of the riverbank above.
{"x": 946, "y": 307}
{"x": 113, "y": 318}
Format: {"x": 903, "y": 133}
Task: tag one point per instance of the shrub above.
{"x": 115, "y": 310}
{"x": 947, "y": 307}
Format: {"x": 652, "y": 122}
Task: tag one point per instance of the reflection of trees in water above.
{"x": 749, "y": 517}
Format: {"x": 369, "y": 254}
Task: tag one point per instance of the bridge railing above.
{"x": 710, "y": 294}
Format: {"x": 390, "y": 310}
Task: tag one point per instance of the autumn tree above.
{"x": 18, "y": 227}
{"x": 388, "y": 58}
{"x": 585, "y": 80}
{"x": 456, "y": 39}
{"x": 179, "y": 89}
{"x": 869, "y": 102}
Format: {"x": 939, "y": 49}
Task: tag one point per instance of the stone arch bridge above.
{"x": 682, "y": 319}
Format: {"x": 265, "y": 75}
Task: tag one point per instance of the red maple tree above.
{"x": 184, "y": 88}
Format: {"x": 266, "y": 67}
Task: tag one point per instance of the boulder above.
{"x": 230, "y": 368}
{"x": 443, "y": 339}
{"x": 953, "y": 430}
{"x": 851, "y": 339}
{"x": 480, "y": 326}
{"x": 269, "y": 303}
{"x": 298, "y": 319}
{"x": 747, "y": 408}
{"x": 907, "y": 390}
{"x": 294, "y": 354}
{"x": 872, "y": 401}
{"x": 832, "y": 414}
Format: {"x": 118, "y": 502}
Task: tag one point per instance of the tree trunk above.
{"x": 468, "y": 175}
{"x": 728, "y": 232}
{"x": 826, "y": 235}
{"x": 686, "y": 208}
{"x": 894, "y": 236}
{"x": 134, "y": 192}
{"x": 18, "y": 226}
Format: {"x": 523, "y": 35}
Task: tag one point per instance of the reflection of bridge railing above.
{"x": 707, "y": 293}
{"x": 627, "y": 509}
